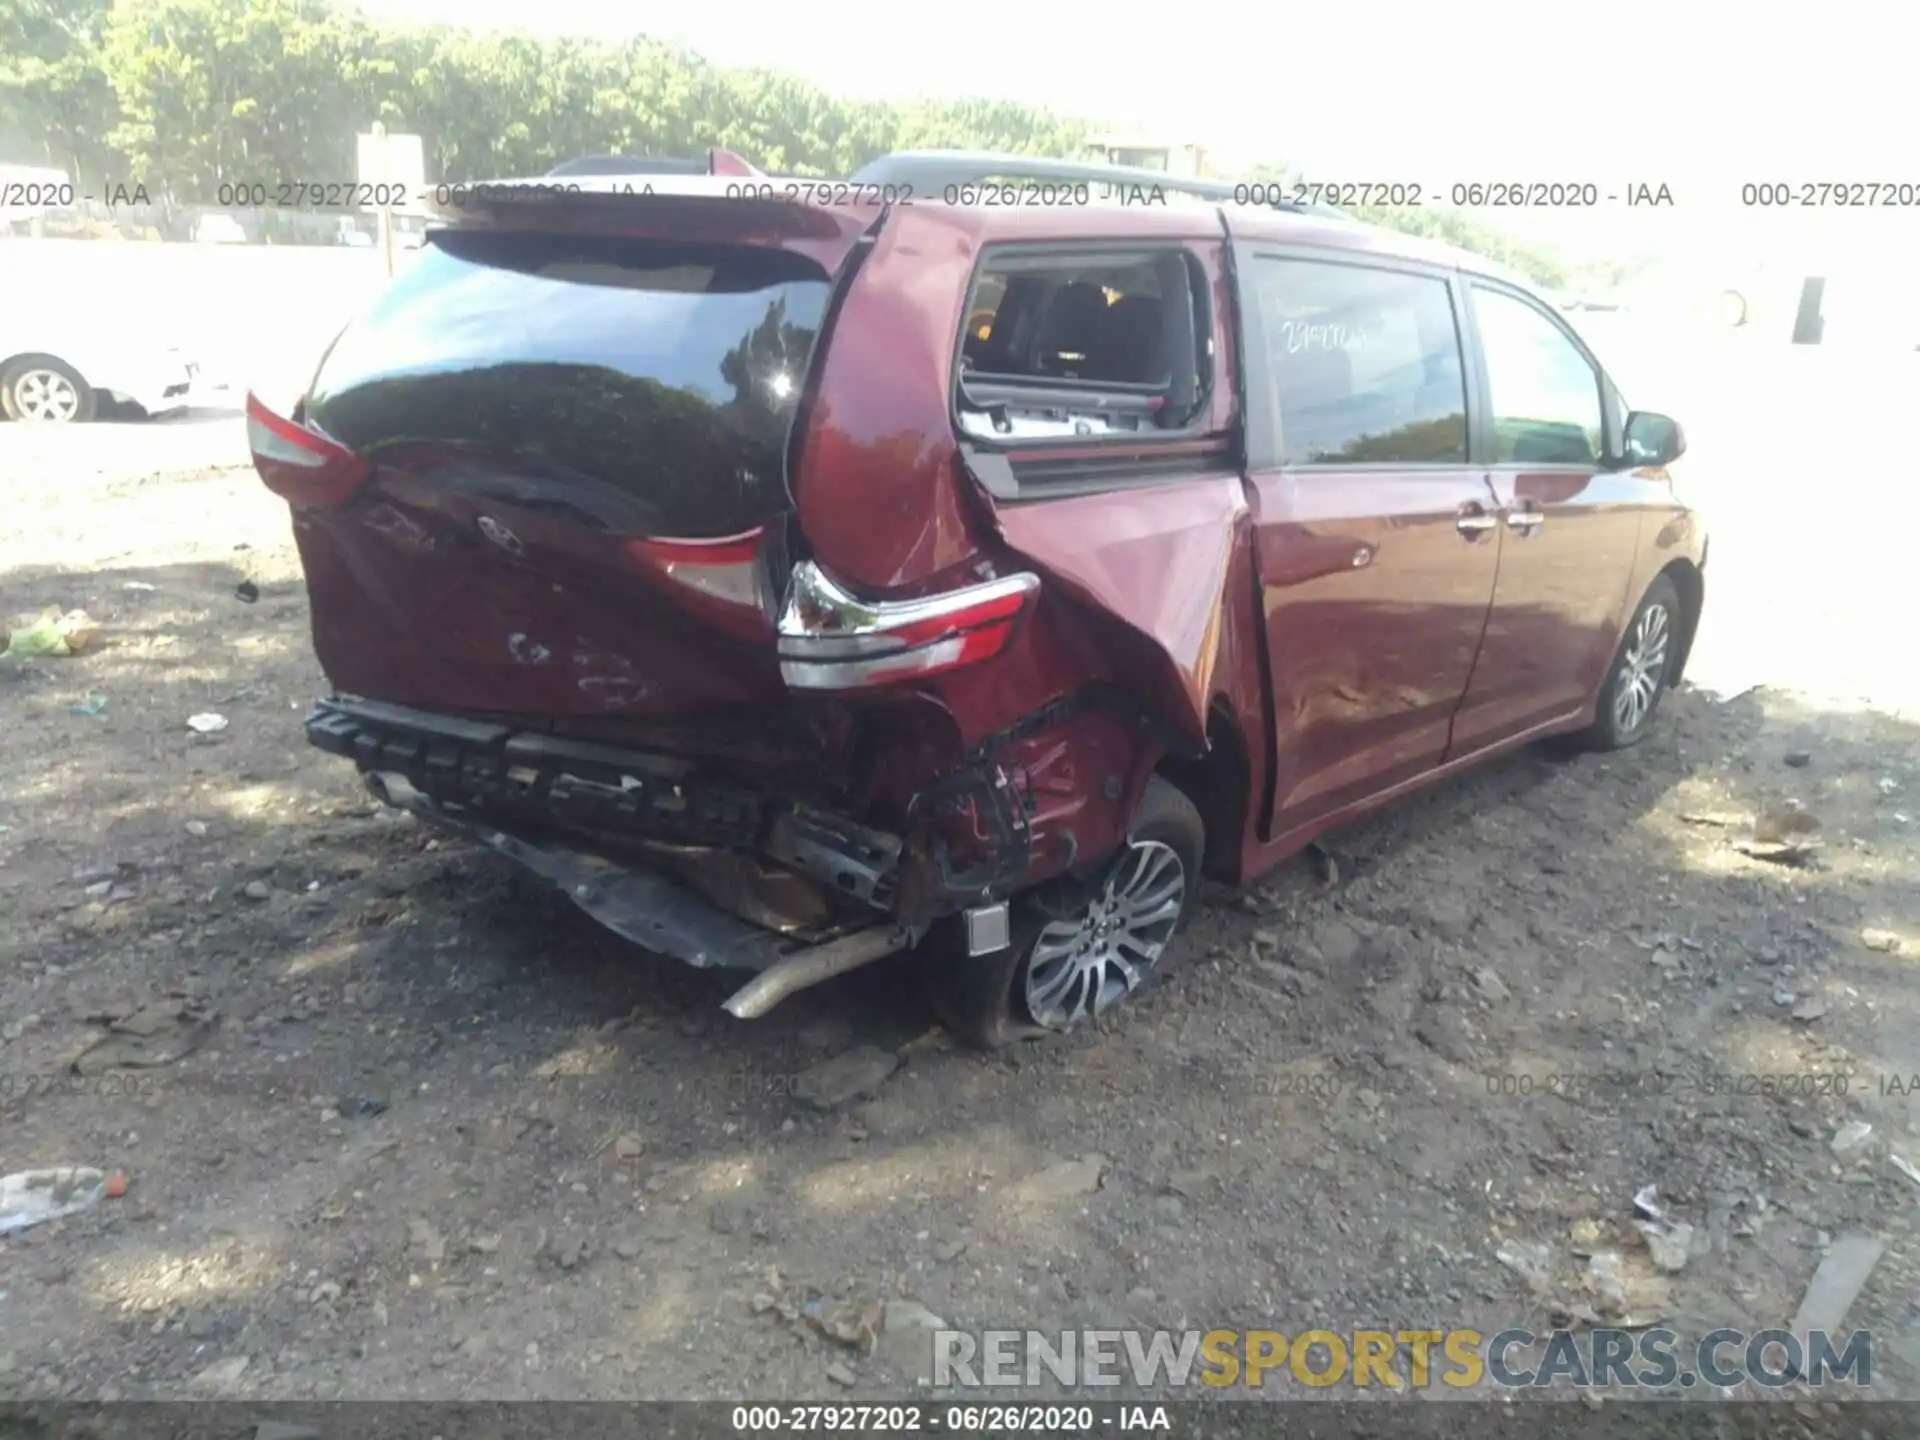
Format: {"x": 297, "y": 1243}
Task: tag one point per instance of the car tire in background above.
{"x": 1637, "y": 679}
{"x": 42, "y": 389}
{"x": 1066, "y": 932}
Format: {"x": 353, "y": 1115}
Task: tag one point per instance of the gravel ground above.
{"x": 399, "y": 1124}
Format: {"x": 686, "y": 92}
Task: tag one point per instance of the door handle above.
{"x": 1525, "y": 521}
{"x": 1473, "y": 520}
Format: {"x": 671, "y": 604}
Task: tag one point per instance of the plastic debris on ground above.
{"x": 1851, "y": 1138}
{"x": 1724, "y": 692}
{"x": 32, "y": 1197}
{"x": 1784, "y": 835}
{"x": 1837, "y": 1283}
{"x": 206, "y": 723}
{"x": 73, "y": 632}
{"x": 1669, "y": 1246}
{"x": 92, "y": 705}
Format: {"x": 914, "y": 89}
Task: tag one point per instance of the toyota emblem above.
{"x": 501, "y": 535}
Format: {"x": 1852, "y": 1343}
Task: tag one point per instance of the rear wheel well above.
{"x": 1692, "y": 587}
{"x": 1216, "y": 782}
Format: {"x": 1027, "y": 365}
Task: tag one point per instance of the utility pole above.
{"x": 386, "y": 206}
{"x": 393, "y": 169}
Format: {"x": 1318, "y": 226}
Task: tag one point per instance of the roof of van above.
{"x": 1282, "y": 228}
{"x": 1182, "y": 217}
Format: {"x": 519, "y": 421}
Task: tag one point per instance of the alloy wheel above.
{"x": 1641, "y": 669}
{"x": 1083, "y": 967}
{"x": 46, "y": 395}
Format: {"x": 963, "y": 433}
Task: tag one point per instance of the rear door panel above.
{"x": 1377, "y": 551}
{"x": 1374, "y": 605}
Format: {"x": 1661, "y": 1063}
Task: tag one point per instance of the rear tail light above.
{"x": 831, "y": 641}
{"x": 300, "y": 465}
{"x": 726, "y": 581}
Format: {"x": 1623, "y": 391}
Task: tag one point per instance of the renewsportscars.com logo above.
{"x": 1602, "y": 1358}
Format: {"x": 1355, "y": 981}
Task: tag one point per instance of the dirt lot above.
{"x": 430, "y": 1133}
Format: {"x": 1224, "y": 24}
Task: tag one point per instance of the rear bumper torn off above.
{"x": 658, "y": 913}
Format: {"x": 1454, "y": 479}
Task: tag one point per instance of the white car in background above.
{"x": 31, "y": 193}
{"x": 217, "y": 229}
{"x": 54, "y": 369}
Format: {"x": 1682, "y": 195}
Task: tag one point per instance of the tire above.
{"x": 1656, "y": 624}
{"x": 984, "y": 1000}
{"x": 41, "y": 389}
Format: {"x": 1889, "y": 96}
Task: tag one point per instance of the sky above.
{"x": 1700, "y": 97}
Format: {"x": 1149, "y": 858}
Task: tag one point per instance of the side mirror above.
{"x": 1652, "y": 439}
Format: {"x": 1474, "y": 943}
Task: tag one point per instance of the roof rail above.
{"x": 933, "y": 170}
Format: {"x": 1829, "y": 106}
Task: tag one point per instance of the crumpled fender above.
{"x": 1156, "y": 560}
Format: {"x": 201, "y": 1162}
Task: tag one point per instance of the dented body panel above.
{"x": 1156, "y": 562}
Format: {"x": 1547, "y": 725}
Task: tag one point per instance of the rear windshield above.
{"x": 662, "y": 372}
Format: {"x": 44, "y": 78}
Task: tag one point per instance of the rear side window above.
{"x": 650, "y": 383}
{"x": 1366, "y": 364}
{"x": 1084, "y": 344}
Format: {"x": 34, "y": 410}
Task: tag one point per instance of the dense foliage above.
{"x": 183, "y": 95}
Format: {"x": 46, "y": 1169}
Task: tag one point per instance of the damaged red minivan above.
{"x": 969, "y": 555}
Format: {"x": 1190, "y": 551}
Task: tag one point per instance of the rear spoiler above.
{"x": 715, "y": 162}
{"x": 722, "y": 176}
{"x": 727, "y": 201}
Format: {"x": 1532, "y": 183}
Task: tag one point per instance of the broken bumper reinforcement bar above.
{"x": 659, "y": 914}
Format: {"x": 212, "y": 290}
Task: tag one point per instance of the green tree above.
{"x": 56, "y": 103}
{"x": 187, "y": 94}
{"x": 234, "y": 90}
